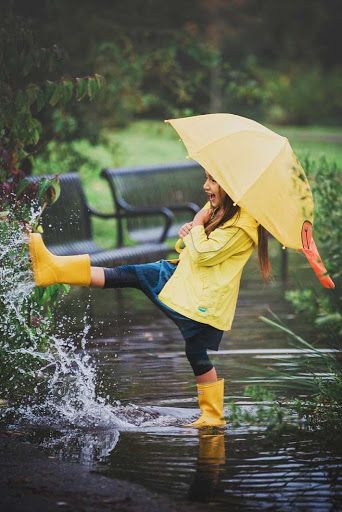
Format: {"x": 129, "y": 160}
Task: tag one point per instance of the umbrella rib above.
{"x": 241, "y": 131}
{"x": 263, "y": 171}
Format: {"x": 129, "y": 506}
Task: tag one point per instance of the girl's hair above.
{"x": 229, "y": 210}
{"x": 264, "y": 261}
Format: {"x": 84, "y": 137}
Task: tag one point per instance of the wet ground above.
{"x": 143, "y": 373}
{"x": 32, "y": 481}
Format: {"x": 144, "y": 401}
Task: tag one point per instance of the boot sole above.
{"x": 205, "y": 425}
{"x": 34, "y": 256}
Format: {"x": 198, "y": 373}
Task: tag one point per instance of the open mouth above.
{"x": 211, "y": 197}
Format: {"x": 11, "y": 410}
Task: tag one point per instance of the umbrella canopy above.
{"x": 260, "y": 172}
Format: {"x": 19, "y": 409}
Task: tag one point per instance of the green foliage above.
{"x": 46, "y": 299}
{"x": 323, "y": 307}
{"x": 301, "y": 95}
{"x": 173, "y": 61}
{"x": 147, "y": 79}
{"x": 259, "y": 393}
{"x": 317, "y": 309}
{"x": 322, "y": 408}
{"x": 30, "y": 84}
{"x": 304, "y": 302}
{"x": 265, "y": 412}
{"x": 33, "y": 95}
{"x": 19, "y": 202}
{"x": 243, "y": 91}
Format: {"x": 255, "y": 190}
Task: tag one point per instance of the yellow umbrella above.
{"x": 260, "y": 172}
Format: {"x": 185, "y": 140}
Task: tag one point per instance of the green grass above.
{"x": 152, "y": 142}
{"x": 310, "y": 130}
{"x": 148, "y": 142}
{"x": 316, "y": 141}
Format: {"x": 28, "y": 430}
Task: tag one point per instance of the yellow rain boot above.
{"x": 50, "y": 269}
{"x": 210, "y": 400}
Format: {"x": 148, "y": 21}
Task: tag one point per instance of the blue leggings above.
{"x": 121, "y": 277}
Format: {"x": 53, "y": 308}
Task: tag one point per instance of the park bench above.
{"x": 150, "y": 205}
{"x": 68, "y": 229}
{"x": 178, "y": 187}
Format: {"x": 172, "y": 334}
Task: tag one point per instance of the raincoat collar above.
{"x": 246, "y": 222}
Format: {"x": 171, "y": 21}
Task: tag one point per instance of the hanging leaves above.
{"x": 28, "y": 86}
{"x": 48, "y": 190}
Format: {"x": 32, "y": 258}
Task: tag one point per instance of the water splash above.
{"x": 86, "y": 448}
{"x": 64, "y": 374}
{"x": 16, "y": 283}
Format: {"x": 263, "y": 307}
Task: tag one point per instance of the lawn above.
{"x": 153, "y": 142}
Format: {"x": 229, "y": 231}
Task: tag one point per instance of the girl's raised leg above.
{"x": 97, "y": 277}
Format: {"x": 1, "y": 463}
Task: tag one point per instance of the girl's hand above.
{"x": 202, "y": 217}
{"x": 184, "y": 230}
{"x": 27, "y": 228}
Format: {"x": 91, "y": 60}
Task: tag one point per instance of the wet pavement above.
{"x": 143, "y": 374}
{"x": 32, "y": 481}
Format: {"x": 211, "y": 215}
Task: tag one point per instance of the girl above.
{"x": 198, "y": 291}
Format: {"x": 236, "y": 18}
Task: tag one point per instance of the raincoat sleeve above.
{"x": 221, "y": 244}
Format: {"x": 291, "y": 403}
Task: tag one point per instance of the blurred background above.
{"x": 276, "y": 62}
{"x": 271, "y": 60}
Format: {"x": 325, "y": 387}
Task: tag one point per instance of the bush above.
{"x": 302, "y": 95}
{"x": 32, "y": 90}
{"x": 323, "y": 307}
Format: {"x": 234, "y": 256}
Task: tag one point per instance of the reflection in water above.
{"x": 211, "y": 457}
{"x": 290, "y": 470}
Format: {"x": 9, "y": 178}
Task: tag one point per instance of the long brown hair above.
{"x": 229, "y": 210}
{"x": 264, "y": 261}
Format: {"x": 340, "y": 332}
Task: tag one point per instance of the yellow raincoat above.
{"x": 205, "y": 284}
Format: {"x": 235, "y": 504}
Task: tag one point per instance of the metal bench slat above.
{"x": 127, "y": 255}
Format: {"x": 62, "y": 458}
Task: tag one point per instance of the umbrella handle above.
{"x": 178, "y": 247}
{"x": 311, "y": 252}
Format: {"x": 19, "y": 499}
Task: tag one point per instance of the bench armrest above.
{"x": 96, "y": 213}
{"x": 132, "y": 211}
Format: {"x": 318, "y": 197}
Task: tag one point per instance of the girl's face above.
{"x": 213, "y": 190}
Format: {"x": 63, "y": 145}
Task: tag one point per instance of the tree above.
{"x": 32, "y": 88}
